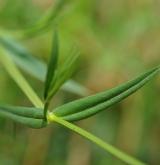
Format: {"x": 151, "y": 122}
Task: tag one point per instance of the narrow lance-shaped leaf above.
{"x": 36, "y": 67}
{"x": 23, "y": 115}
{"x": 52, "y": 66}
{"x": 91, "y": 105}
{"x": 64, "y": 72}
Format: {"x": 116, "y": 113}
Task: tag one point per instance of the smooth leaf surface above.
{"x": 36, "y": 67}
{"x": 52, "y": 65}
{"x": 64, "y": 72}
{"x": 30, "y": 117}
{"x": 30, "y": 112}
{"x": 91, "y": 105}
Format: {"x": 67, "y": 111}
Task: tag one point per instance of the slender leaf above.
{"x": 22, "y": 116}
{"x": 91, "y": 105}
{"x": 64, "y": 72}
{"x": 46, "y": 22}
{"x": 52, "y": 66}
{"x": 30, "y": 112}
{"x": 36, "y": 67}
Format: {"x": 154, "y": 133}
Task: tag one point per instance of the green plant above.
{"x": 12, "y": 54}
{"x": 40, "y": 115}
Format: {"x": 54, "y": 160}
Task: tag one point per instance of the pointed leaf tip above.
{"x": 88, "y": 106}
{"x": 63, "y": 73}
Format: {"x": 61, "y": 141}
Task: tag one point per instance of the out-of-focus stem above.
{"x": 19, "y": 79}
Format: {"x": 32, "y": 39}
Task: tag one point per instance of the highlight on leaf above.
{"x": 88, "y": 106}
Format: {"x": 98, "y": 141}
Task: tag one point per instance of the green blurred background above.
{"x": 118, "y": 40}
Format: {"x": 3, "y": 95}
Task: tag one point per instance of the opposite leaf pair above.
{"x": 88, "y": 106}
{"x": 79, "y": 109}
{"x": 57, "y": 75}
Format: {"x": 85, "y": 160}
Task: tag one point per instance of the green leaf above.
{"x": 91, "y": 105}
{"x": 46, "y": 22}
{"x": 36, "y": 67}
{"x": 64, "y": 72}
{"x": 31, "y": 117}
{"x": 30, "y": 112}
{"x": 52, "y": 66}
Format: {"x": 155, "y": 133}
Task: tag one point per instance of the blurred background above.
{"x": 118, "y": 40}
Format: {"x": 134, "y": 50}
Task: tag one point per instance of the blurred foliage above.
{"x": 117, "y": 40}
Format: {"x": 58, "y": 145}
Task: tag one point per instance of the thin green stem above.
{"x": 109, "y": 148}
{"x": 46, "y": 105}
{"x": 19, "y": 79}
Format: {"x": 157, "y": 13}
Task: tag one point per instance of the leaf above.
{"x": 46, "y": 22}
{"x": 30, "y": 112}
{"x": 52, "y": 66}
{"x": 91, "y": 105}
{"x": 36, "y": 67}
{"x": 64, "y": 72}
{"x": 31, "y": 117}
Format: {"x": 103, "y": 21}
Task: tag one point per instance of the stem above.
{"x": 109, "y": 148}
{"x": 19, "y": 79}
{"x": 46, "y": 105}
